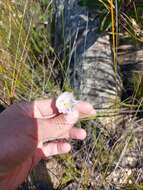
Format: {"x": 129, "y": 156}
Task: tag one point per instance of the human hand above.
{"x": 24, "y": 130}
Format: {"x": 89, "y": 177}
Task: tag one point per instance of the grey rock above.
{"x": 90, "y": 65}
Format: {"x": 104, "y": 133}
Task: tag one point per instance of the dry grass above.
{"x": 29, "y": 69}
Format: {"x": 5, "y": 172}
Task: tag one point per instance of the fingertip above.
{"x": 93, "y": 112}
{"x": 83, "y": 105}
{"x": 66, "y": 147}
{"x": 77, "y": 133}
{"x": 85, "y": 108}
{"x": 83, "y": 134}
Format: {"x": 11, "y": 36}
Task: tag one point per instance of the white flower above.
{"x": 66, "y": 102}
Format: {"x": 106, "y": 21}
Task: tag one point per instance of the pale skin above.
{"x": 24, "y": 129}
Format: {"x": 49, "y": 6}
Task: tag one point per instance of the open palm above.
{"x": 27, "y": 134}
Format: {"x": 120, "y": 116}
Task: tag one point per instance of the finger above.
{"x": 55, "y": 148}
{"x": 50, "y": 129}
{"x": 45, "y": 108}
{"x": 76, "y": 133}
{"x": 40, "y": 108}
{"x": 85, "y": 109}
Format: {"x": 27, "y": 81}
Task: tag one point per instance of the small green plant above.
{"x": 102, "y": 10}
{"x": 127, "y": 15}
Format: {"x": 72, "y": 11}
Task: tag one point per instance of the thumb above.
{"x": 40, "y": 109}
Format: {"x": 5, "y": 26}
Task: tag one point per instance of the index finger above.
{"x": 47, "y": 109}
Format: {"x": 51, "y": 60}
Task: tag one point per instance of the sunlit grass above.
{"x": 23, "y": 74}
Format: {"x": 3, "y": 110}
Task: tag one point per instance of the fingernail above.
{"x": 83, "y": 134}
{"x": 66, "y": 147}
{"x": 90, "y": 107}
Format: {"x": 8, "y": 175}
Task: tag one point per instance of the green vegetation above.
{"x": 27, "y": 58}
{"x": 128, "y": 15}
